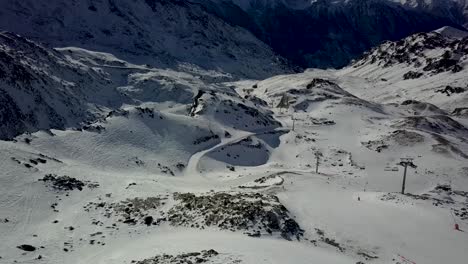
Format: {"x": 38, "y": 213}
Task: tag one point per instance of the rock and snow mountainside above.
{"x": 131, "y": 141}
{"x": 324, "y": 34}
{"x": 109, "y": 161}
{"x": 244, "y": 38}
{"x": 161, "y": 33}
{"x": 430, "y": 67}
{"x": 451, "y": 32}
{"x": 457, "y": 10}
{"x": 43, "y": 88}
{"x": 302, "y": 4}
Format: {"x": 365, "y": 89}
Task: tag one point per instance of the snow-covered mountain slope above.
{"x": 167, "y": 181}
{"x": 422, "y": 3}
{"x": 238, "y": 37}
{"x": 451, "y": 32}
{"x": 457, "y": 10}
{"x": 312, "y": 96}
{"x": 42, "y": 89}
{"x": 111, "y": 161}
{"x": 446, "y": 5}
{"x": 359, "y": 137}
{"x": 157, "y": 32}
{"x": 429, "y": 67}
{"x": 265, "y": 4}
{"x": 302, "y": 4}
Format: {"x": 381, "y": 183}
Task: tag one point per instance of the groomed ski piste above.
{"x": 190, "y": 170}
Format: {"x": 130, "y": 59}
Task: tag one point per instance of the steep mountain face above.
{"x": 156, "y": 32}
{"x": 430, "y": 67}
{"x": 73, "y": 88}
{"x": 456, "y": 10}
{"x": 263, "y": 4}
{"x": 41, "y": 89}
{"x": 432, "y": 53}
{"x": 330, "y": 33}
{"x": 227, "y": 35}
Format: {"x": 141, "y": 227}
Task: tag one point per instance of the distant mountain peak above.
{"x": 451, "y": 32}
{"x": 443, "y": 50}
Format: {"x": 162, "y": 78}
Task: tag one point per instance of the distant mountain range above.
{"x": 161, "y": 33}
{"x": 456, "y": 9}
{"x": 189, "y": 131}
{"x": 248, "y": 38}
{"x": 327, "y": 33}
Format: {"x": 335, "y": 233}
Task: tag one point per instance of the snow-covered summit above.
{"x": 432, "y": 52}
{"x": 451, "y": 32}
{"x": 431, "y": 67}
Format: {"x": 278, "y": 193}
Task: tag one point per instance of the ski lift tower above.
{"x": 405, "y": 162}
{"x": 284, "y": 102}
{"x": 317, "y": 154}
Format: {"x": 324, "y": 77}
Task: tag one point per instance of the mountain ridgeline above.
{"x": 160, "y": 33}
{"x": 323, "y": 34}
{"x": 254, "y": 39}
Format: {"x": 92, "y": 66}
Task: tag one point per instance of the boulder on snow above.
{"x": 27, "y": 247}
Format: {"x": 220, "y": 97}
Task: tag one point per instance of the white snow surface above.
{"x": 167, "y": 137}
{"x": 451, "y": 32}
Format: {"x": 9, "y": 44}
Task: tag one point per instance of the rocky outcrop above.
{"x": 66, "y": 183}
{"x": 254, "y": 214}
{"x": 431, "y": 52}
{"x": 204, "y": 256}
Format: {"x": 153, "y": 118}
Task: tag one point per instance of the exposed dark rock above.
{"x": 317, "y": 81}
{"x": 367, "y": 256}
{"x": 180, "y": 166}
{"x": 64, "y": 183}
{"x": 461, "y": 111}
{"x": 148, "y": 220}
{"x": 398, "y": 137}
{"x": 130, "y": 211}
{"x": 440, "y": 124}
{"x": 410, "y": 50}
{"x": 328, "y": 240}
{"x": 203, "y": 256}
{"x": 205, "y": 139}
{"x": 412, "y": 75}
{"x": 442, "y": 65}
{"x": 449, "y": 90}
{"x": 93, "y": 128}
{"x": 242, "y": 211}
{"x": 27, "y": 247}
{"x": 441, "y": 196}
{"x": 196, "y": 102}
{"x": 165, "y": 169}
